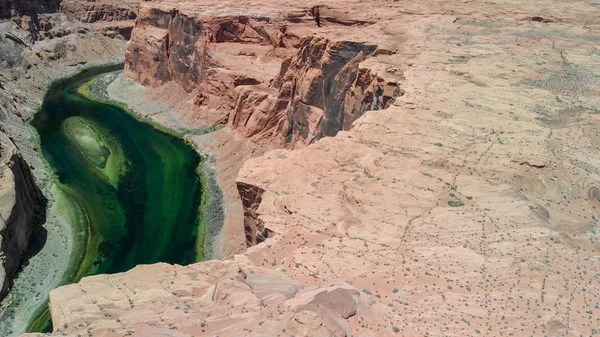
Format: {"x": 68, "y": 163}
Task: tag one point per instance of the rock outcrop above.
{"x": 256, "y": 72}
{"x": 94, "y": 11}
{"x": 13, "y": 8}
{"x": 41, "y": 20}
{"x": 322, "y": 90}
{"x": 467, "y": 207}
{"x": 254, "y": 227}
{"x": 22, "y": 211}
{"x": 205, "y": 299}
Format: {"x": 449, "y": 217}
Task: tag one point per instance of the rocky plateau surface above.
{"x": 399, "y": 168}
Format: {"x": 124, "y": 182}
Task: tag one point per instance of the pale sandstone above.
{"x": 499, "y": 119}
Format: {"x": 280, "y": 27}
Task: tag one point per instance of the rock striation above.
{"x": 321, "y": 90}
{"x": 22, "y": 212}
{"x": 95, "y": 11}
{"x": 256, "y": 72}
{"x": 469, "y": 206}
{"x": 254, "y": 227}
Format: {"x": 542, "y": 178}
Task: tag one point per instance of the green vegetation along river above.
{"x": 136, "y": 189}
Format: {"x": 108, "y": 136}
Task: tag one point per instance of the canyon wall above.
{"x": 99, "y": 11}
{"x": 254, "y": 227}
{"x": 263, "y": 74}
{"x": 42, "y": 18}
{"x": 23, "y": 211}
{"x": 12, "y": 8}
{"x": 467, "y": 207}
{"x": 41, "y": 41}
{"x": 321, "y": 90}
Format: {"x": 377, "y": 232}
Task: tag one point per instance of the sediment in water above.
{"x": 79, "y": 214}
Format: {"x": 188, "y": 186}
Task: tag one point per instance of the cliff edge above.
{"x": 437, "y": 170}
{"x": 23, "y": 211}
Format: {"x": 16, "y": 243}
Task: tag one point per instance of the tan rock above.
{"x": 424, "y": 207}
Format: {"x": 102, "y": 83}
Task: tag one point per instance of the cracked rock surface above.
{"x": 468, "y": 206}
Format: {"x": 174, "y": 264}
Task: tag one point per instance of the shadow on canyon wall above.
{"x": 23, "y": 235}
{"x": 10, "y": 8}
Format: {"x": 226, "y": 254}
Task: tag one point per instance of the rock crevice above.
{"x": 254, "y": 227}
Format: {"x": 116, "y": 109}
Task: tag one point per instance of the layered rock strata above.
{"x": 254, "y": 227}
{"x": 467, "y": 207}
{"x": 39, "y": 43}
{"x": 256, "y": 72}
{"x": 321, "y": 90}
{"x": 100, "y": 11}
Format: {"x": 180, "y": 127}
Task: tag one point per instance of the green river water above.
{"x": 135, "y": 188}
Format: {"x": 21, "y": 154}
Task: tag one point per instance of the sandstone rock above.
{"x": 325, "y": 76}
{"x": 94, "y": 11}
{"x": 253, "y": 70}
{"x": 253, "y": 226}
{"x": 425, "y": 207}
{"x": 198, "y": 299}
{"x": 22, "y": 212}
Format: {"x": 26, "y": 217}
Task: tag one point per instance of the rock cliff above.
{"x": 100, "y": 11}
{"x": 469, "y": 206}
{"x": 41, "y": 41}
{"x": 257, "y": 72}
{"x": 254, "y": 227}
{"x": 23, "y": 211}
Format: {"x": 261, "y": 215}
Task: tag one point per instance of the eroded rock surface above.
{"x": 254, "y": 227}
{"x": 206, "y": 299}
{"x": 22, "y": 211}
{"x": 103, "y": 11}
{"x": 467, "y": 207}
{"x": 257, "y": 70}
{"x": 41, "y": 41}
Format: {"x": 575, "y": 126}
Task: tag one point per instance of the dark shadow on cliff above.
{"x": 39, "y": 235}
{"x": 28, "y": 7}
{"x": 31, "y": 9}
{"x": 24, "y": 235}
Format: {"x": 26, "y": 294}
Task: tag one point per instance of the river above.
{"x": 135, "y": 190}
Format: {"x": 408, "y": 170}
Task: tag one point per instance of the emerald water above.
{"x": 135, "y": 188}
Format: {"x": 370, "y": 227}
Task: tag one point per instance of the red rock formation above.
{"x": 326, "y": 90}
{"x": 255, "y": 230}
{"x": 257, "y": 73}
{"x": 36, "y": 16}
{"x": 321, "y": 90}
{"x": 93, "y": 11}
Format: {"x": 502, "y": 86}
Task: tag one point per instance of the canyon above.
{"x": 23, "y": 211}
{"x": 386, "y": 168}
